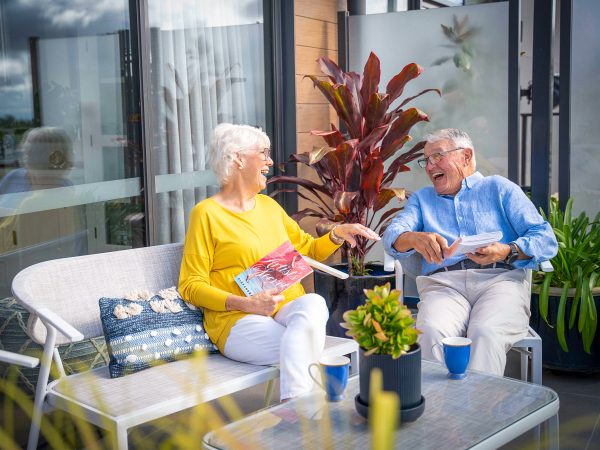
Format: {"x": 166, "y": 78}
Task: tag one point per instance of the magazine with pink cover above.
{"x": 278, "y": 270}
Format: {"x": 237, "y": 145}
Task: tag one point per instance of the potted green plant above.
{"x": 385, "y": 330}
{"x": 566, "y": 301}
{"x": 353, "y": 186}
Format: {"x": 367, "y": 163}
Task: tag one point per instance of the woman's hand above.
{"x": 263, "y": 303}
{"x": 347, "y": 231}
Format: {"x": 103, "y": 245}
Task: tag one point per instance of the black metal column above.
{"x": 564, "y": 119}
{"x": 343, "y": 43}
{"x": 140, "y": 43}
{"x": 413, "y": 5}
{"x": 282, "y": 77}
{"x": 357, "y": 7}
{"x": 541, "y": 120}
{"x": 514, "y": 90}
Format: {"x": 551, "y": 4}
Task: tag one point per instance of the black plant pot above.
{"x": 553, "y": 356}
{"x": 401, "y": 375}
{"x": 343, "y": 295}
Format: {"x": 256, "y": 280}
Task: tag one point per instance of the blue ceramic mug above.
{"x": 334, "y": 376}
{"x": 456, "y": 354}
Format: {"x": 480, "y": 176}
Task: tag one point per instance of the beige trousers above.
{"x": 489, "y": 306}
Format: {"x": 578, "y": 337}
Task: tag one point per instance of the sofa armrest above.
{"x": 21, "y": 360}
{"x": 50, "y": 318}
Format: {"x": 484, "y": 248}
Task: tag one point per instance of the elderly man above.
{"x": 483, "y": 295}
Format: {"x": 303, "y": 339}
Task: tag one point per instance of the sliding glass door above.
{"x": 69, "y": 172}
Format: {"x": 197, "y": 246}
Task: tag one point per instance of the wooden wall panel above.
{"x": 314, "y": 117}
{"x": 315, "y": 29}
{"x": 317, "y": 9}
{"x": 306, "y": 92}
{"x": 306, "y": 59}
{"x": 315, "y": 33}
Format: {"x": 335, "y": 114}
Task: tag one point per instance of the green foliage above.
{"x": 353, "y": 184}
{"x": 577, "y": 265}
{"x": 382, "y": 325}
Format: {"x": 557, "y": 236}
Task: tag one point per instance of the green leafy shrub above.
{"x": 576, "y": 272}
{"x": 382, "y": 324}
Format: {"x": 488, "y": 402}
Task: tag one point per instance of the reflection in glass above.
{"x": 464, "y": 52}
{"x": 68, "y": 132}
{"x": 585, "y": 97}
{"x": 207, "y": 68}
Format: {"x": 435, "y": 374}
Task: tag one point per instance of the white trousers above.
{"x": 489, "y": 306}
{"x": 293, "y": 338}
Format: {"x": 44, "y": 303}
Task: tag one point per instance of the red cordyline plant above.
{"x": 354, "y": 186}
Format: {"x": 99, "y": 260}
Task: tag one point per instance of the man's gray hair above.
{"x": 458, "y": 137}
{"x": 228, "y": 140}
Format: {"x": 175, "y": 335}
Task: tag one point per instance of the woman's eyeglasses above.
{"x": 267, "y": 153}
{"x": 436, "y": 157}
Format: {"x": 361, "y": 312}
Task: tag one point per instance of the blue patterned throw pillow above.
{"x": 142, "y": 333}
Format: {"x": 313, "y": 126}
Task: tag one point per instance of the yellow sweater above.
{"x": 220, "y": 244}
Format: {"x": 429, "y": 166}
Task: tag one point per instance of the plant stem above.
{"x": 349, "y": 259}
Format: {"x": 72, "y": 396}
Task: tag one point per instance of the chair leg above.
{"x": 269, "y": 392}
{"x": 40, "y": 389}
{"x": 524, "y": 366}
{"x": 118, "y": 437}
{"x": 536, "y": 363}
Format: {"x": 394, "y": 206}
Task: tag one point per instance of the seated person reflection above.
{"x": 229, "y": 232}
{"x": 482, "y": 295}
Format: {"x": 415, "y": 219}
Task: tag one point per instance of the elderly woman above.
{"x": 228, "y": 233}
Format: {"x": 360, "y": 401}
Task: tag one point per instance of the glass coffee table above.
{"x": 480, "y": 411}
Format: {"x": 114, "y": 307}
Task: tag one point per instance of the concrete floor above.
{"x": 579, "y": 412}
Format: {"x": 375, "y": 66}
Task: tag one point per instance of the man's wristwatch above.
{"x": 513, "y": 255}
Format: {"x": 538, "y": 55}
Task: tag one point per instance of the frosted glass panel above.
{"x": 472, "y": 74}
{"x": 585, "y": 97}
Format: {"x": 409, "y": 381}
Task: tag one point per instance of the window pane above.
{"x": 585, "y": 97}
{"x": 471, "y": 71}
{"x": 69, "y": 162}
{"x": 207, "y": 68}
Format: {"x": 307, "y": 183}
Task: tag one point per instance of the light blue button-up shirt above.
{"x": 483, "y": 204}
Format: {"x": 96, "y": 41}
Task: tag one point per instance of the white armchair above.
{"x": 530, "y": 347}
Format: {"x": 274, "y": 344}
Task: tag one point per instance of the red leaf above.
{"x": 331, "y": 69}
{"x": 405, "y": 101}
{"x": 399, "y": 129}
{"x": 343, "y": 160}
{"x": 373, "y": 138}
{"x": 332, "y": 138}
{"x": 371, "y": 177}
{"x": 395, "y": 87}
{"x": 399, "y": 164}
{"x": 343, "y": 201}
{"x": 385, "y": 195}
{"x": 370, "y": 79}
{"x": 375, "y": 112}
{"x": 308, "y": 184}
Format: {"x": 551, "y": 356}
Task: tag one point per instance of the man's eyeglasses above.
{"x": 436, "y": 157}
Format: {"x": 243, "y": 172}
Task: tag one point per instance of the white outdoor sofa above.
{"x": 62, "y": 297}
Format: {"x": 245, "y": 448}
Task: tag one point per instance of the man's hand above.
{"x": 431, "y": 246}
{"x": 263, "y": 303}
{"x": 490, "y": 253}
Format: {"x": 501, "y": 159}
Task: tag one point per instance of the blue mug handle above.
{"x": 318, "y": 366}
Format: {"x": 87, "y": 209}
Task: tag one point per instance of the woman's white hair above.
{"x": 458, "y": 137}
{"x": 228, "y": 140}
